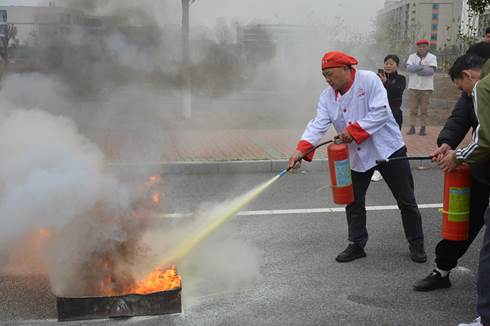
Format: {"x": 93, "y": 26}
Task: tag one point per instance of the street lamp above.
{"x": 186, "y": 58}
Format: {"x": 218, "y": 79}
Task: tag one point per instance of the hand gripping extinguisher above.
{"x": 456, "y": 206}
{"x": 340, "y": 173}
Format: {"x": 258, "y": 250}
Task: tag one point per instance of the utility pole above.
{"x": 186, "y": 59}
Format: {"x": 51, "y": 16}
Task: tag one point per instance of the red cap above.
{"x": 337, "y": 59}
{"x": 422, "y": 41}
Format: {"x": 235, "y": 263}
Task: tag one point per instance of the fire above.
{"x": 155, "y": 198}
{"x": 44, "y": 234}
{"x": 153, "y": 180}
{"x": 107, "y": 272}
{"x": 158, "y": 281}
{"x": 27, "y": 256}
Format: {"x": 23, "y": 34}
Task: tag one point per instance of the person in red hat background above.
{"x": 421, "y": 67}
{"x": 356, "y": 104}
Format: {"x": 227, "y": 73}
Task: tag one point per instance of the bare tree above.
{"x": 8, "y": 32}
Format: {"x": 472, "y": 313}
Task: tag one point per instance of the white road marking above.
{"x": 304, "y": 211}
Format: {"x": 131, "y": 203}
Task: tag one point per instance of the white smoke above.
{"x": 49, "y": 172}
{"x": 52, "y": 175}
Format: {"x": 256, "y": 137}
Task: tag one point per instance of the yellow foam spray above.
{"x": 184, "y": 248}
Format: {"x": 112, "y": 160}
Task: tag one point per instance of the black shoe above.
{"x": 422, "y": 131}
{"x": 417, "y": 252}
{"x": 411, "y": 131}
{"x": 432, "y": 282}
{"x": 352, "y": 252}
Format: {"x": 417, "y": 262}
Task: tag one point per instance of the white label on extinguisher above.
{"x": 342, "y": 173}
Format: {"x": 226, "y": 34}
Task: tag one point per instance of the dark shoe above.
{"x": 432, "y": 282}
{"x": 352, "y": 252}
{"x": 417, "y": 252}
{"x": 411, "y": 131}
{"x": 422, "y": 131}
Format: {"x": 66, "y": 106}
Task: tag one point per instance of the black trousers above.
{"x": 398, "y": 114}
{"x": 483, "y": 286}
{"x": 447, "y": 251}
{"x": 398, "y": 177}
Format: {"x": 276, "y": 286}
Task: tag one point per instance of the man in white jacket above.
{"x": 421, "y": 67}
{"x": 356, "y": 104}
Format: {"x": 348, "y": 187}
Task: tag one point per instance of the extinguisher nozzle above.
{"x": 283, "y": 173}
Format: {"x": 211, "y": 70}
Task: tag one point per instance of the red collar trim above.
{"x": 353, "y": 77}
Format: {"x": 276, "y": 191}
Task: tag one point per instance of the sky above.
{"x": 357, "y": 14}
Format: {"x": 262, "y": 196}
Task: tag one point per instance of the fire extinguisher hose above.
{"x": 405, "y": 158}
{"x": 306, "y": 154}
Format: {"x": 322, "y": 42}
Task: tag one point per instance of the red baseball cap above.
{"x": 422, "y": 41}
{"x": 337, "y": 59}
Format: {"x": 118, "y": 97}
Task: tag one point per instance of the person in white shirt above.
{"x": 356, "y": 104}
{"x": 421, "y": 67}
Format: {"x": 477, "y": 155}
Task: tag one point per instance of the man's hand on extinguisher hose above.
{"x": 448, "y": 162}
{"x": 345, "y": 137}
{"x": 439, "y": 153}
{"x": 295, "y": 160}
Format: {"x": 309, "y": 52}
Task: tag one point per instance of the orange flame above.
{"x": 44, "y": 233}
{"x": 155, "y": 198}
{"x": 158, "y": 281}
{"x": 27, "y": 256}
{"x": 153, "y": 180}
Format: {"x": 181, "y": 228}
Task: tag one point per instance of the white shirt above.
{"x": 366, "y": 103}
{"x": 421, "y": 82}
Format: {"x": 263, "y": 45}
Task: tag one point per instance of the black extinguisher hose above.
{"x": 404, "y": 158}
{"x": 307, "y": 153}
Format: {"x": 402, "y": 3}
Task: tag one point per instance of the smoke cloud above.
{"x": 108, "y": 93}
{"x": 104, "y": 95}
{"x": 50, "y": 173}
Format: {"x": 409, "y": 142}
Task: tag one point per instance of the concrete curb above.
{"x": 223, "y": 167}
{"x": 229, "y": 167}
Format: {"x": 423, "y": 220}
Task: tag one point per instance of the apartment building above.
{"x": 438, "y": 21}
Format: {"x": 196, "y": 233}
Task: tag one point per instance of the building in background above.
{"x": 441, "y": 22}
{"x": 296, "y": 49}
{"x": 33, "y": 23}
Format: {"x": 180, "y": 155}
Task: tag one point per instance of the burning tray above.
{"x": 131, "y": 305}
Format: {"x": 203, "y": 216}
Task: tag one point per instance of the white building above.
{"x": 439, "y": 21}
{"x": 32, "y": 22}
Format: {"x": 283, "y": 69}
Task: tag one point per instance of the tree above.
{"x": 478, "y": 6}
{"x": 8, "y": 32}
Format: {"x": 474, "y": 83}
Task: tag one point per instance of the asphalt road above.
{"x": 280, "y": 269}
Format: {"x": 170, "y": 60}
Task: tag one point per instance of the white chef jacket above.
{"x": 365, "y": 106}
{"x": 421, "y": 82}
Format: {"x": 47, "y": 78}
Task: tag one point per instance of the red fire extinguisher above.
{"x": 340, "y": 174}
{"x": 456, "y": 206}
